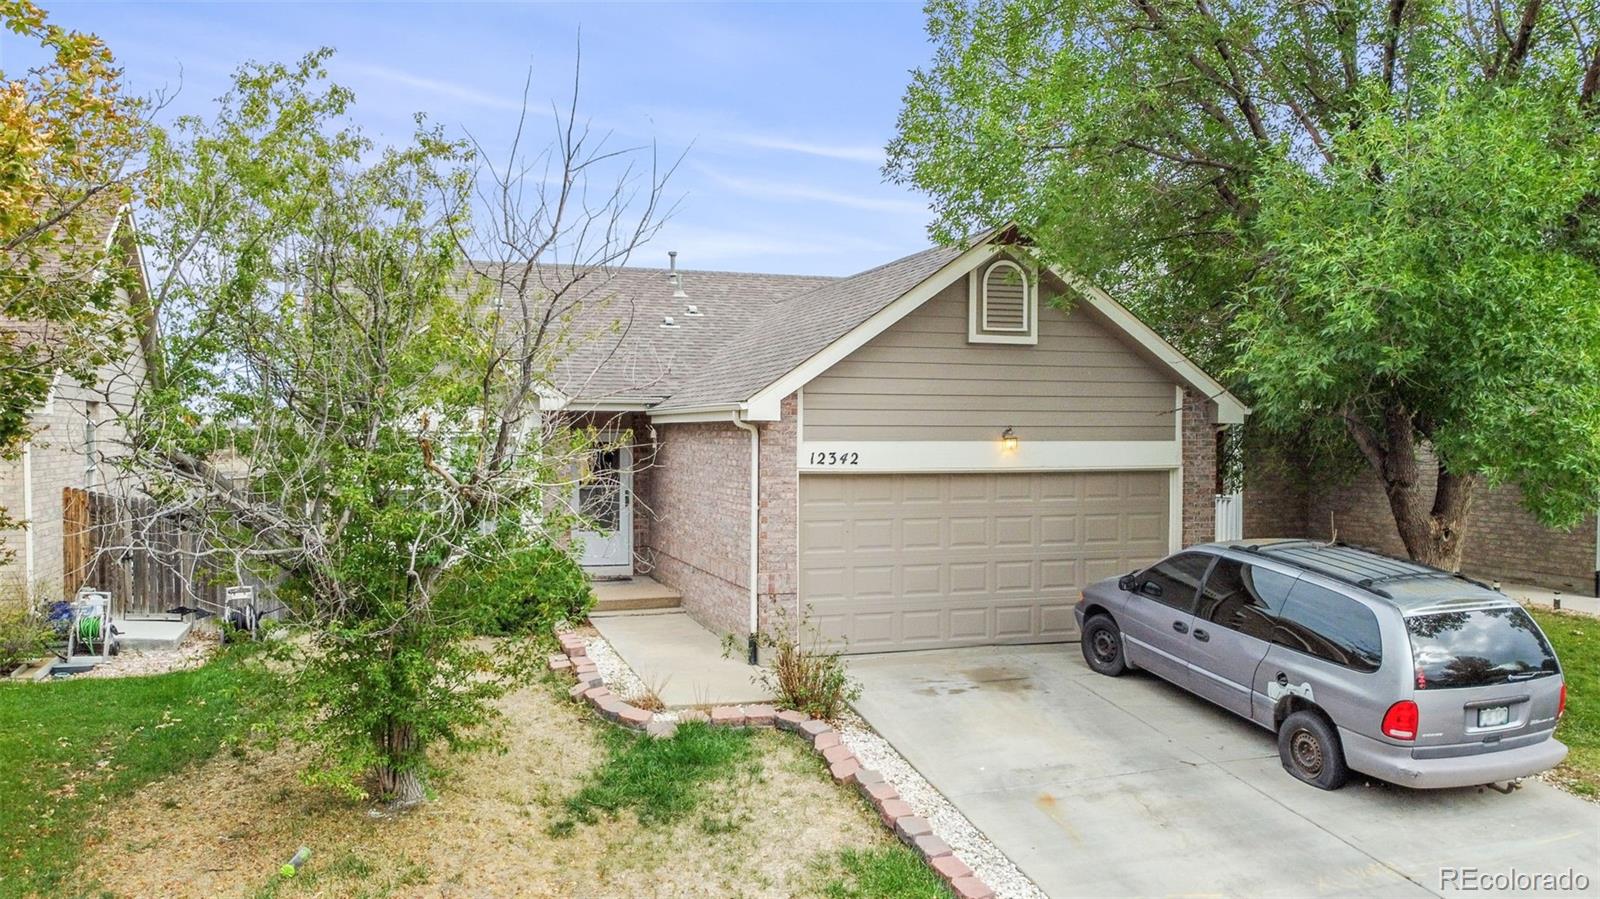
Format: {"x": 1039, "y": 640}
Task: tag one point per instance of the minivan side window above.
{"x": 1173, "y": 581}
{"x": 1325, "y": 624}
{"x": 1243, "y": 597}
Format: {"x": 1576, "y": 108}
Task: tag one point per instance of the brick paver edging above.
{"x": 845, "y": 768}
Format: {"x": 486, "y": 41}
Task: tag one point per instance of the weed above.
{"x": 660, "y": 780}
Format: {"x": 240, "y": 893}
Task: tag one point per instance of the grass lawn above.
{"x": 575, "y": 807}
{"x": 70, "y": 749}
{"x": 1577, "y": 642}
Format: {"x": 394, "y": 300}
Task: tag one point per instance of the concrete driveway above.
{"x": 1100, "y": 786}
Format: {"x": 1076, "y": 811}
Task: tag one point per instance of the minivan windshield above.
{"x": 1478, "y": 648}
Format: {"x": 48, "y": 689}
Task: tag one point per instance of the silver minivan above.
{"x": 1357, "y": 661}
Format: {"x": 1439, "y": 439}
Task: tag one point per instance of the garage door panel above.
{"x": 922, "y": 581}
{"x": 921, "y": 533}
{"x": 1013, "y": 622}
{"x": 1014, "y": 530}
{"x": 920, "y": 561}
{"x": 1057, "y": 621}
{"x": 1146, "y": 528}
{"x": 1105, "y": 527}
{"x": 971, "y": 624}
{"x": 969, "y": 577}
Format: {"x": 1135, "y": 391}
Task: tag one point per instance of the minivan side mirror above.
{"x": 1126, "y": 583}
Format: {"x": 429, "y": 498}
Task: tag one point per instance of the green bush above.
{"x": 23, "y": 637}
{"x": 529, "y": 590}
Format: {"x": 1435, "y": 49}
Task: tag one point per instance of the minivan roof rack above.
{"x": 1354, "y": 565}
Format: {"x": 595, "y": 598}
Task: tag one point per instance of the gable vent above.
{"x": 1005, "y": 298}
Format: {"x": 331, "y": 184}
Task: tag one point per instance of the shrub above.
{"x": 530, "y": 590}
{"x": 23, "y": 636}
{"x": 803, "y": 676}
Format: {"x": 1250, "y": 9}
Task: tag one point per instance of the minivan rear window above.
{"x": 1478, "y": 648}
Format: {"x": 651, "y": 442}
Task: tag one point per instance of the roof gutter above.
{"x": 755, "y": 520}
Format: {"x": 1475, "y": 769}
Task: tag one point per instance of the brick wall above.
{"x": 777, "y": 577}
{"x": 58, "y": 458}
{"x": 699, "y": 533}
{"x": 1199, "y": 470}
{"x": 1503, "y": 541}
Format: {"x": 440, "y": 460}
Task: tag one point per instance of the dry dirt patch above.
{"x": 222, "y": 830}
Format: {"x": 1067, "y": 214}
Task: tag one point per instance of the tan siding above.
{"x": 922, "y": 380}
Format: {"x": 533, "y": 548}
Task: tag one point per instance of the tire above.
{"x": 1102, "y": 646}
{"x": 1309, "y": 748}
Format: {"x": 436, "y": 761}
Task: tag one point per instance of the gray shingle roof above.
{"x": 753, "y": 328}
{"x": 799, "y": 327}
{"x": 618, "y": 350}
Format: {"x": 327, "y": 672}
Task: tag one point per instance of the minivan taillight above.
{"x": 1561, "y": 707}
{"x": 1400, "y": 722}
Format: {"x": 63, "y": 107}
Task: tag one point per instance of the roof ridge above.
{"x": 693, "y": 271}
{"x": 861, "y": 274}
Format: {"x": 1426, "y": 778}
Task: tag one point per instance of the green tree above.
{"x": 70, "y": 140}
{"x": 340, "y": 403}
{"x": 1381, "y": 218}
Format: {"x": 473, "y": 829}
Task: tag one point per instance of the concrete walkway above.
{"x": 1541, "y": 596}
{"x": 680, "y": 660}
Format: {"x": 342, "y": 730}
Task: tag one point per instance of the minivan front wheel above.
{"x": 1102, "y": 646}
{"x": 1310, "y": 750}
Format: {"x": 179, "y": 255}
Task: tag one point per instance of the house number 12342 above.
{"x": 832, "y": 458}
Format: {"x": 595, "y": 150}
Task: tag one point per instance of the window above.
{"x": 1173, "y": 582}
{"x": 1322, "y": 623}
{"x": 1003, "y": 304}
{"x": 1478, "y": 649}
{"x": 1244, "y": 598}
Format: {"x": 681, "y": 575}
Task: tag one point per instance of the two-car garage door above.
{"x": 920, "y": 561}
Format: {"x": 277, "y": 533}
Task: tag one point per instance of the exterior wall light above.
{"x": 1008, "y": 440}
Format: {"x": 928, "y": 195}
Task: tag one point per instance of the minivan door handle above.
{"x": 1201, "y": 635}
{"x": 1180, "y": 627}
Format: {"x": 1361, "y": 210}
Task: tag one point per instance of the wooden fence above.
{"x": 149, "y": 562}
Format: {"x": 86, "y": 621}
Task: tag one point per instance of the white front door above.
{"x": 605, "y": 510}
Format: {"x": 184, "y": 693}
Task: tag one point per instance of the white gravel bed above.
{"x": 969, "y": 843}
{"x": 192, "y": 653}
{"x": 619, "y": 678}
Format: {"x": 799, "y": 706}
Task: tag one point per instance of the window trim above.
{"x": 978, "y": 330}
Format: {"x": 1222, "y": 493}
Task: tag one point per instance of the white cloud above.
{"x": 789, "y": 190}
{"x": 439, "y": 88}
{"x": 851, "y": 152}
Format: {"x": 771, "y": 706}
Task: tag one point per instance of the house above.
{"x": 930, "y": 453}
{"x": 76, "y": 436}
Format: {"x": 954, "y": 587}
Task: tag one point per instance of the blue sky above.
{"x": 783, "y": 108}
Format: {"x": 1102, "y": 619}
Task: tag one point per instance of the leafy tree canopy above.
{"x": 1380, "y": 217}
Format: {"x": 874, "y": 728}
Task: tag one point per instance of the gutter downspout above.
{"x": 28, "y": 563}
{"x": 755, "y": 522}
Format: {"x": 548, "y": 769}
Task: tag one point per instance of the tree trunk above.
{"x": 1431, "y": 531}
{"x": 399, "y": 775}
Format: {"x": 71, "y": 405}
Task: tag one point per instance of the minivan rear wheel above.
{"x": 1102, "y": 646}
{"x": 1309, "y": 749}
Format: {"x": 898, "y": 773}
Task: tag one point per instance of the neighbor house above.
{"x": 76, "y": 436}
{"x": 940, "y": 451}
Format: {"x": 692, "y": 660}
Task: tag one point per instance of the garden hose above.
{"x": 89, "y": 630}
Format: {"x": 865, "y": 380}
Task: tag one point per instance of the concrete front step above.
{"x": 634, "y": 594}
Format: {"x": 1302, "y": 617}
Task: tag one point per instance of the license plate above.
{"x": 1494, "y": 716}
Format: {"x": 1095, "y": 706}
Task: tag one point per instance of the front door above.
{"x": 605, "y": 512}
